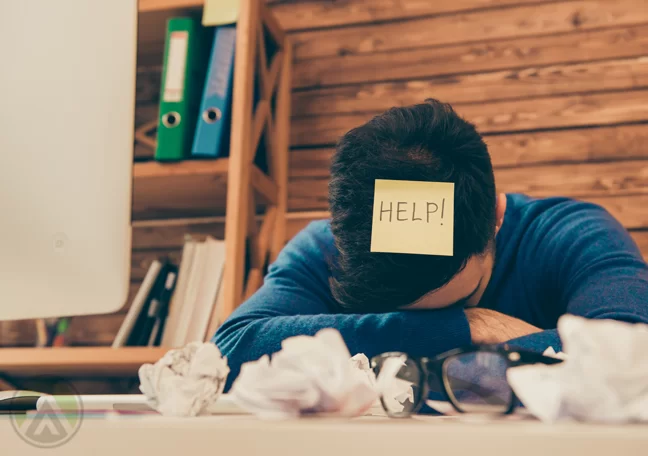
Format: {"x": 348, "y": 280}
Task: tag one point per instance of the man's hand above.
{"x": 491, "y": 327}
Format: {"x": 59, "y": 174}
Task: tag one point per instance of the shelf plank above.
{"x": 77, "y": 361}
{"x": 147, "y": 6}
{"x": 152, "y": 169}
{"x": 189, "y": 188}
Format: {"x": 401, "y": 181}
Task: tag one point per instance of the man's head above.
{"x": 425, "y": 142}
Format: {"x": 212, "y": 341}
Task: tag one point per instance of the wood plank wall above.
{"x": 559, "y": 89}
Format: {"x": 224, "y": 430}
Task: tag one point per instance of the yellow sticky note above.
{"x": 220, "y": 12}
{"x": 413, "y": 217}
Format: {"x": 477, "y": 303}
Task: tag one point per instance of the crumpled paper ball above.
{"x": 394, "y": 391}
{"x": 185, "y": 381}
{"x": 308, "y": 375}
{"x": 603, "y": 378}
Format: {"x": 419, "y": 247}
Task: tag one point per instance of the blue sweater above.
{"x": 554, "y": 256}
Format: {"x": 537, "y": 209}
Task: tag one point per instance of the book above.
{"x": 139, "y": 301}
{"x": 183, "y": 75}
{"x": 214, "y": 120}
{"x": 191, "y": 294}
{"x": 141, "y": 332}
{"x": 197, "y": 295}
{"x": 208, "y": 286}
{"x": 176, "y": 305}
{"x": 160, "y": 312}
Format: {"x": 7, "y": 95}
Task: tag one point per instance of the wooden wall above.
{"x": 559, "y": 89}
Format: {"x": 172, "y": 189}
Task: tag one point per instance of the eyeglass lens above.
{"x": 477, "y": 382}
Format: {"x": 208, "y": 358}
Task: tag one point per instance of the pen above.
{"x": 61, "y": 328}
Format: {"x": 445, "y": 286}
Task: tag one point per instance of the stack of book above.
{"x": 176, "y": 305}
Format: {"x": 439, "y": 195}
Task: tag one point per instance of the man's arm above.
{"x": 491, "y": 327}
{"x": 597, "y": 268}
{"x": 295, "y": 299}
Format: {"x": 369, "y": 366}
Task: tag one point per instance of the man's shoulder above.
{"x": 314, "y": 241}
{"x": 555, "y": 219}
{"x": 315, "y": 233}
{"x": 523, "y": 208}
{"x": 320, "y": 228}
{"x": 307, "y": 258}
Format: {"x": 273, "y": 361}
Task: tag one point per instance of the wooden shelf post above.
{"x": 249, "y": 123}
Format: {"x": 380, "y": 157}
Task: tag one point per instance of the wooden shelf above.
{"x": 234, "y": 188}
{"x": 190, "y": 188}
{"x": 77, "y": 361}
{"x": 152, "y": 169}
{"x": 146, "y": 6}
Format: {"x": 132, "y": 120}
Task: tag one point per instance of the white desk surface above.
{"x": 371, "y": 436}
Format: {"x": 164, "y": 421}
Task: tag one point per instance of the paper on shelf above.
{"x": 604, "y": 377}
{"x": 186, "y": 381}
{"x": 220, "y": 12}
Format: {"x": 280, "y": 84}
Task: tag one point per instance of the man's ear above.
{"x": 500, "y": 210}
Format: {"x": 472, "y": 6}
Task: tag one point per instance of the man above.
{"x": 518, "y": 263}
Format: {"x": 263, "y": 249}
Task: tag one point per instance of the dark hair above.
{"x": 424, "y": 142}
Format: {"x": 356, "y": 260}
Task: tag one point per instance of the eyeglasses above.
{"x": 472, "y": 379}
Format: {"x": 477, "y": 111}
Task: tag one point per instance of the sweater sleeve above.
{"x": 596, "y": 267}
{"x": 295, "y": 299}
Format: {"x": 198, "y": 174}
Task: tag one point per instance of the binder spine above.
{"x": 183, "y": 74}
{"x": 215, "y": 108}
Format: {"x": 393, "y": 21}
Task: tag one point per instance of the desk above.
{"x": 370, "y": 436}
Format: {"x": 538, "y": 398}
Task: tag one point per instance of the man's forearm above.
{"x": 250, "y": 335}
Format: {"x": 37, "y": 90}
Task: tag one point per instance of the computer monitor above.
{"x": 67, "y": 101}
